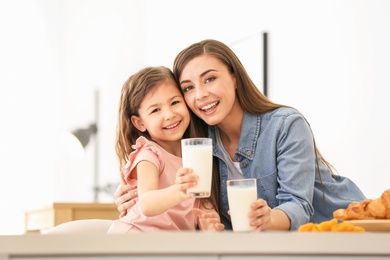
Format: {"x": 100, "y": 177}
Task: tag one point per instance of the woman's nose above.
{"x": 201, "y": 92}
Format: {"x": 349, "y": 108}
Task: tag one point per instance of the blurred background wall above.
{"x": 327, "y": 58}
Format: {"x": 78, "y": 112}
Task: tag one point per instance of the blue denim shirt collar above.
{"x": 248, "y": 139}
{"x": 249, "y": 136}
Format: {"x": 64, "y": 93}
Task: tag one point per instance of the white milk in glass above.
{"x": 240, "y": 197}
{"x": 197, "y": 154}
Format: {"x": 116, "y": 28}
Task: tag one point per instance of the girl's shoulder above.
{"x": 143, "y": 150}
{"x": 144, "y": 143}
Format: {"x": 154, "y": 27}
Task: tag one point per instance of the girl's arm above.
{"x": 208, "y": 217}
{"x": 155, "y": 201}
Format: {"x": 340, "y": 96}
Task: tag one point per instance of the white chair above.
{"x": 82, "y": 226}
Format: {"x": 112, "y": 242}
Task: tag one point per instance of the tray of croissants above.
{"x": 371, "y": 215}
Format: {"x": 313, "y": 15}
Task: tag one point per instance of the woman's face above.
{"x": 209, "y": 89}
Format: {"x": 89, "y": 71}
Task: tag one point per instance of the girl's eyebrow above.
{"x": 201, "y": 75}
{"x": 152, "y": 106}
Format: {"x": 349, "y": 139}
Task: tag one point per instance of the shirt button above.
{"x": 249, "y": 152}
{"x": 243, "y": 165}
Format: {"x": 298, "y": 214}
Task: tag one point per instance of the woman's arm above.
{"x": 265, "y": 218}
{"x": 125, "y": 196}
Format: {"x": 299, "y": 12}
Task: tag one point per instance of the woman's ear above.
{"x": 235, "y": 81}
{"x": 138, "y": 123}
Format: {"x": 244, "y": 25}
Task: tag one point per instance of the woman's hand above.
{"x": 185, "y": 179}
{"x": 260, "y": 215}
{"x": 125, "y": 198}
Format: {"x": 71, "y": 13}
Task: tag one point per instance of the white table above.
{"x": 197, "y": 245}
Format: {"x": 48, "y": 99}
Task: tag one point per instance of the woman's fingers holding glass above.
{"x": 260, "y": 215}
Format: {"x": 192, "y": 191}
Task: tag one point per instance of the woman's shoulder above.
{"x": 285, "y": 116}
{"x": 282, "y": 112}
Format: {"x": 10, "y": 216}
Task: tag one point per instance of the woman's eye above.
{"x": 209, "y": 79}
{"x": 175, "y": 102}
{"x": 187, "y": 88}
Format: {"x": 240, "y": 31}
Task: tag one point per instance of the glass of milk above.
{"x": 241, "y": 194}
{"x": 197, "y": 154}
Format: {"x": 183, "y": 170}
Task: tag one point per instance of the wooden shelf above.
{"x": 58, "y": 213}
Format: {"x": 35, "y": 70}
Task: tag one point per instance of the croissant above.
{"x": 367, "y": 209}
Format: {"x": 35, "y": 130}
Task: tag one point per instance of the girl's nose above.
{"x": 169, "y": 114}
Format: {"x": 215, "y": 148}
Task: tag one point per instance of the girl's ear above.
{"x": 138, "y": 123}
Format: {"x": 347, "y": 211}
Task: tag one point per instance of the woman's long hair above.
{"x": 248, "y": 95}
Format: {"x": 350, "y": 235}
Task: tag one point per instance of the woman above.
{"x": 256, "y": 138}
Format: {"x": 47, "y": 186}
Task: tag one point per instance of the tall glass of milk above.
{"x": 197, "y": 154}
{"x": 241, "y": 194}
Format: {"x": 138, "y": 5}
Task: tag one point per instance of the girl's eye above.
{"x": 155, "y": 110}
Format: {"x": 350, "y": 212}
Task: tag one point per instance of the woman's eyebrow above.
{"x": 201, "y": 75}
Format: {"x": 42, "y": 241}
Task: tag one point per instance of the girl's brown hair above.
{"x": 132, "y": 94}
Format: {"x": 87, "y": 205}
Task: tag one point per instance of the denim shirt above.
{"x": 277, "y": 149}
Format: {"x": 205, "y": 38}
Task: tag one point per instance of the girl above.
{"x": 153, "y": 118}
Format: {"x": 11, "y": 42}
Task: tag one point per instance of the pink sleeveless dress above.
{"x": 179, "y": 217}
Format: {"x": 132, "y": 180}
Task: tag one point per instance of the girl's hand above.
{"x": 125, "y": 198}
{"x": 208, "y": 221}
{"x": 185, "y": 179}
{"x": 208, "y": 218}
{"x": 260, "y": 215}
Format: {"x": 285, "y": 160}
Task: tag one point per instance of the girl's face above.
{"x": 163, "y": 113}
{"x": 209, "y": 89}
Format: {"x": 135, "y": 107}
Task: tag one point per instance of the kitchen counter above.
{"x": 197, "y": 245}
